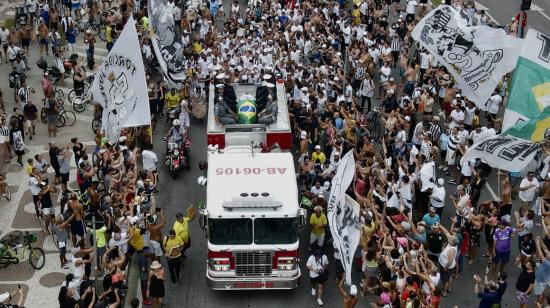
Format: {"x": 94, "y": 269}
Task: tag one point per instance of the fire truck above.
{"x": 252, "y": 218}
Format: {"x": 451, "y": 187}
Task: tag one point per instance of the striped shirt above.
{"x": 453, "y": 143}
{"x": 4, "y": 131}
{"x": 435, "y": 131}
{"x": 396, "y": 44}
{"x": 23, "y": 95}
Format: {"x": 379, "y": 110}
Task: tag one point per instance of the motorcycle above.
{"x": 178, "y": 156}
{"x": 172, "y": 114}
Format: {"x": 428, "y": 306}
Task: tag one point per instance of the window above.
{"x": 230, "y": 231}
{"x": 275, "y": 231}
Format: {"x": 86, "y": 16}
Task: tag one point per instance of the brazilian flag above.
{"x": 246, "y": 111}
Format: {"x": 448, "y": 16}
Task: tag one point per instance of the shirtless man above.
{"x": 154, "y": 227}
{"x": 349, "y": 300}
{"x": 409, "y": 77}
{"x": 303, "y": 145}
{"x": 77, "y": 224}
{"x": 506, "y": 197}
{"x": 306, "y": 171}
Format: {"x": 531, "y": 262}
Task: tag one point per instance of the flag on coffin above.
{"x": 477, "y": 57}
{"x": 530, "y": 87}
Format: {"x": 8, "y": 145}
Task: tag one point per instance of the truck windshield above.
{"x": 230, "y": 231}
{"x": 275, "y": 231}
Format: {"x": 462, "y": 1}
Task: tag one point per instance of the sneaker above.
{"x": 441, "y": 167}
{"x": 451, "y": 182}
{"x": 313, "y": 292}
{"x": 320, "y": 302}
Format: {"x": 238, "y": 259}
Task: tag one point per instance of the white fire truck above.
{"x": 252, "y": 217}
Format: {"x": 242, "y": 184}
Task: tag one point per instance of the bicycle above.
{"x": 96, "y": 122}
{"x": 72, "y": 94}
{"x": 373, "y": 124}
{"x": 15, "y": 250}
{"x": 79, "y": 102}
{"x": 4, "y": 187}
{"x": 69, "y": 118}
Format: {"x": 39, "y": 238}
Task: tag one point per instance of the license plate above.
{"x": 253, "y": 285}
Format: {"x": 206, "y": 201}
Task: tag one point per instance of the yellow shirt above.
{"x": 109, "y": 34}
{"x": 172, "y": 101}
{"x": 136, "y": 241}
{"x": 197, "y": 47}
{"x": 320, "y": 156}
{"x": 28, "y": 169}
{"x": 318, "y": 224}
{"x": 182, "y": 229}
{"x": 171, "y": 243}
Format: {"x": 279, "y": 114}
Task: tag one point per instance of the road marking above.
{"x": 480, "y": 7}
{"x": 491, "y": 191}
{"x": 537, "y": 8}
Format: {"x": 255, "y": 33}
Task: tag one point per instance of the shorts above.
{"x": 451, "y": 157}
{"x": 64, "y": 178}
{"x": 445, "y": 275}
{"x": 19, "y": 152}
{"x": 540, "y": 287}
{"x": 76, "y": 6}
{"x": 320, "y": 239}
{"x": 63, "y": 250}
{"x": 51, "y": 119}
{"x": 523, "y": 298}
{"x": 501, "y": 257}
{"x": 319, "y": 279}
{"x": 48, "y": 211}
{"x": 25, "y": 42}
{"x": 155, "y": 246}
{"x": 43, "y": 42}
{"x": 77, "y": 228}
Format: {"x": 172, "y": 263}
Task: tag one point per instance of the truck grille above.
{"x": 253, "y": 263}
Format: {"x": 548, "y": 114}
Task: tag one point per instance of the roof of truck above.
{"x": 239, "y": 182}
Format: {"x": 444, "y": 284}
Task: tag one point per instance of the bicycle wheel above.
{"x": 96, "y": 124}
{"x": 79, "y": 104}
{"x": 43, "y": 115}
{"x": 37, "y": 258}
{"x": 70, "y": 117}
{"x": 60, "y": 121}
{"x": 59, "y": 96}
{"x": 71, "y": 95}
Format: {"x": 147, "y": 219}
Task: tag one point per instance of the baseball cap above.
{"x": 353, "y": 290}
{"x": 303, "y": 134}
{"x": 440, "y": 181}
{"x": 317, "y": 147}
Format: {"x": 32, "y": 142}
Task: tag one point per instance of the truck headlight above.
{"x": 219, "y": 264}
{"x": 286, "y": 263}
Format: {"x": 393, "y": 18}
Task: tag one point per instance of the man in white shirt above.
{"x": 150, "y": 160}
{"x": 494, "y": 104}
{"x": 317, "y": 265}
{"x": 528, "y": 188}
{"x": 411, "y": 9}
{"x": 437, "y": 197}
{"x": 457, "y": 117}
{"x": 477, "y": 135}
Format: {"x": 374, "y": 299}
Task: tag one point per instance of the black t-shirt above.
{"x": 528, "y": 248}
{"x": 30, "y": 112}
{"x": 525, "y": 279}
{"x": 435, "y": 242}
{"x": 68, "y": 302}
{"x": 78, "y": 150}
{"x": 46, "y": 201}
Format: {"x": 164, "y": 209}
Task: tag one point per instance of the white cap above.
{"x": 303, "y": 134}
{"x": 440, "y": 181}
{"x": 122, "y": 139}
{"x": 390, "y": 91}
{"x": 353, "y": 290}
{"x": 317, "y": 147}
{"x": 407, "y": 118}
{"x": 269, "y": 85}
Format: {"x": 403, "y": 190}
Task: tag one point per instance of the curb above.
{"x": 133, "y": 282}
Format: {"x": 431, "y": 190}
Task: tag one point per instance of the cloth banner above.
{"x": 505, "y": 152}
{"x": 530, "y": 87}
{"x": 120, "y": 86}
{"x": 166, "y": 40}
{"x": 477, "y": 57}
{"x": 343, "y": 214}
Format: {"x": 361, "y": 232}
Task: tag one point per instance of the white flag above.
{"x": 166, "y": 40}
{"x": 477, "y": 57}
{"x": 343, "y": 214}
{"x": 120, "y": 86}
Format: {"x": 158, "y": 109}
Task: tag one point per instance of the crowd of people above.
{"x": 344, "y": 68}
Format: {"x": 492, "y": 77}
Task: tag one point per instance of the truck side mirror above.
{"x": 203, "y": 219}
{"x": 302, "y": 219}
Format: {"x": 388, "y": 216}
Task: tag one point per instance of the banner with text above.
{"x": 530, "y": 87}
{"x": 477, "y": 57}
{"x": 166, "y": 40}
{"x": 343, "y": 214}
{"x": 120, "y": 86}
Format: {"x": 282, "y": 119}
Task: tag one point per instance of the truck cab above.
{"x": 252, "y": 220}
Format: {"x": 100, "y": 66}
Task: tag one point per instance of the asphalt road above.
{"x": 502, "y": 10}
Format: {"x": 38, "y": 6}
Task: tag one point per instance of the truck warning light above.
{"x": 250, "y": 171}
